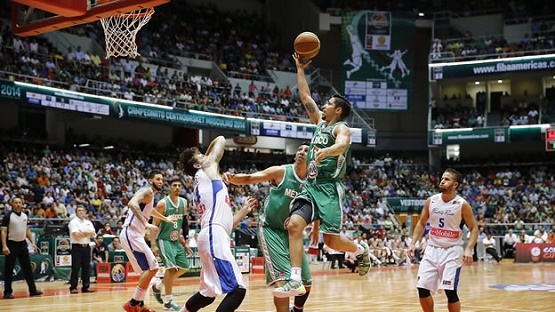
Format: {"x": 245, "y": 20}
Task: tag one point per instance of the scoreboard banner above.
{"x": 528, "y": 133}
{"x": 378, "y": 61}
{"x": 496, "y": 67}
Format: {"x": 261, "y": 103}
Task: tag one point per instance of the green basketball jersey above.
{"x": 276, "y": 205}
{"x": 170, "y": 231}
{"x": 330, "y": 169}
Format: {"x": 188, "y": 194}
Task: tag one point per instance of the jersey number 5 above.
{"x": 441, "y": 222}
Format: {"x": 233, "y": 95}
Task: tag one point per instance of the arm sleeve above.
{"x": 6, "y": 220}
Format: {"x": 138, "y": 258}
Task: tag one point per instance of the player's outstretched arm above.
{"x": 312, "y": 109}
{"x": 272, "y": 174}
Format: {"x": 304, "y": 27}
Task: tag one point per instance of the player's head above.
{"x": 17, "y": 204}
{"x": 450, "y": 180}
{"x": 341, "y": 105}
{"x": 156, "y": 180}
{"x": 300, "y": 155}
{"x": 176, "y": 186}
{"x": 189, "y": 160}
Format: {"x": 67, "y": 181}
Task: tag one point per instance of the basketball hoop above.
{"x": 121, "y": 31}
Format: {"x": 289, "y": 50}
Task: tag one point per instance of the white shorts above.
{"x": 138, "y": 252}
{"x": 440, "y": 268}
{"x": 219, "y": 273}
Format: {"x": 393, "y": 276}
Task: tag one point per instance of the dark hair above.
{"x": 343, "y": 102}
{"x": 186, "y": 161}
{"x": 457, "y": 175}
{"x": 175, "y": 180}
{"x": 153, "y": 173}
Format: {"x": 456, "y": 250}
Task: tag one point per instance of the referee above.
{"x": 14, "y": 229}
{"x": 80, "y": 232}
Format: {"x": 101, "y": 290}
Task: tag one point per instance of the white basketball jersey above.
{"x": 212, "y": 201}
{"x": 131, "y": 220}
{"x": 445, "y": 221}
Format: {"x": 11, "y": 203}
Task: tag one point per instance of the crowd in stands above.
{"x": 245, "y": 50}
{"x": 456, "y": 112}
{"x": 520, "y": 113}
{"x": 469, "y": 48}
{"x": 240, "y": 42}
{"x": 53, "y": 181}
{"x": 35, "y": 61}
{"x": 456, "y": 115}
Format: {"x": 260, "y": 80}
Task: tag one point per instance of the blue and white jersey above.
{"x": 212, "y": 201}
{"x": 131, "y": 220}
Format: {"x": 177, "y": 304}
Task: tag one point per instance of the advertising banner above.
{"x": 62, "y": 252}
{"x": 402, "y": 204}
{"x": 475, "y": 135}
{"x": 41, "y": 265}
{"x": 535, "y": 252}
{"x": 474, "y": 69}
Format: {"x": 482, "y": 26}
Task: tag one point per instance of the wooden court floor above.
{"x": 490, "y": 287}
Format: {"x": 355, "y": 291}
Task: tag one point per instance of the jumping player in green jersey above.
{"x": 169, "y": 243}
{"x": 322, "y": 197}
{"x": 286, "y": 182}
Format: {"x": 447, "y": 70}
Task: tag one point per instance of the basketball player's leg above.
{"x": 301, "y": 214}
{"x": 428, "y": 279}
{"x": 175, "y": 260}
{"x": 143, "y": 260}
{"x": 452, "y": 265}
{"x": 281, "y": 304}
{"x": 330, "y": 212}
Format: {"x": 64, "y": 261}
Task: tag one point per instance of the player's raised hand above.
{"x": 251, "y": 203}
{"x": 319, "y": 154}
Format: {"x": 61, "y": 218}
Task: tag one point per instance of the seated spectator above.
{"x": 115, "y": 245}
{"x": 509, "y": 244}
{"x": 106, "y": 230}
{"x": 99, "y": 252}
{"x": 489, "y": 245}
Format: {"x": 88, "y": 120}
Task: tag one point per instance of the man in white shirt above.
{"x": 509, "y": 242}
{"x": 80, "y": 232}
{"x": 489, "y": 245}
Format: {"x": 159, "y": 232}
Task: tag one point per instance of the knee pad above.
{"x": 303, "y": 208}
{"x": 232, "y": 301}
{"x": 452, "y": 296}
{"x": 198, "y": 301}
{"x": 423, "y": 293}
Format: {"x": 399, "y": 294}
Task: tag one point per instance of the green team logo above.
{"x": 312, "y": 170}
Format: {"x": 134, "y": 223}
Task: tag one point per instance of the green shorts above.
{"x": 172, "y": 254}
{"x": 275, "y": 248}
{"x": 327, "y": 203}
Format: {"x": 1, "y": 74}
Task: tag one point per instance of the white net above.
{"x": 121, "y": 30}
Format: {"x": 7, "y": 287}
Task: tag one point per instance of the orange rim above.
{"x": 150, "y": 11}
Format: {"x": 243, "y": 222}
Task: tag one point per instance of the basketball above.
{"x": 307, "y": 45}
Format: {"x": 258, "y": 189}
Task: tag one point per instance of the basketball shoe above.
{"x": 138, "y": 308}
{"x": 290, "y": 289}
{"x": 171, "y": 306}
{"x": 363, "y": 260}
{"x": 157, "y": 294}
